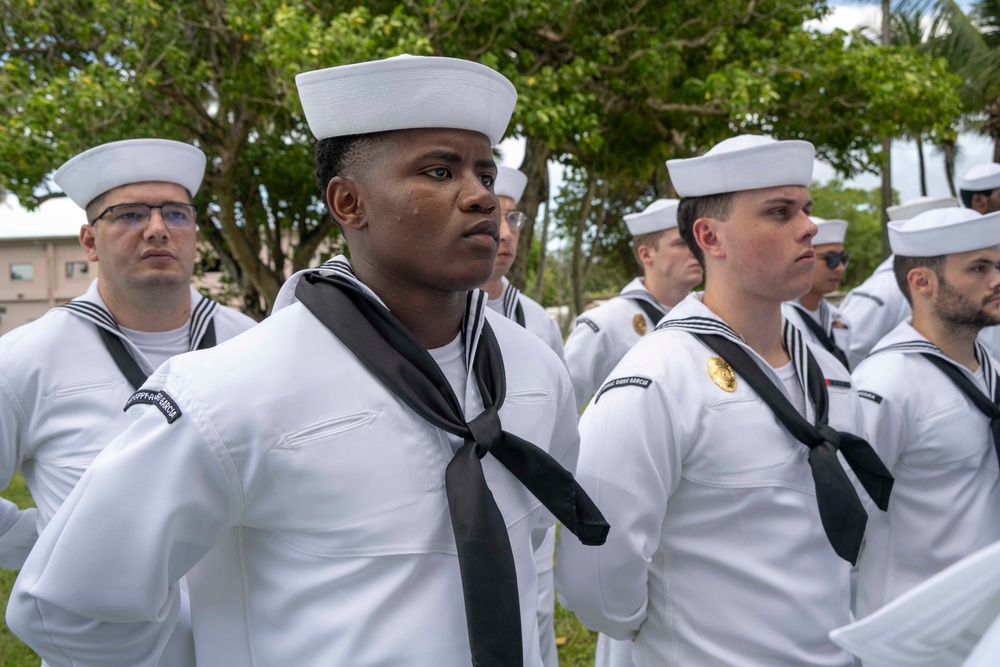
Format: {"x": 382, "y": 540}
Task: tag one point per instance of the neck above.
{"x": 494, "y": 288}
{"x": 811, "y": 300}
{"x": 433, "y": 316}
{"x": 957, "y": 343}
{"x": 757, "y": 321}
{"x": 162, "y": 309}
{"x": 666, "y": 292}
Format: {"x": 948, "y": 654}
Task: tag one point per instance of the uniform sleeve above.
{"x": 630, "y": 465}
{"x": 564, "y": 448}
{"x": 588, "y": 359}
{"x": 554, "y": 339}
{"x": 18, "y": 528}
{"x": 884, "y": 425}
{"x": 101, "y": 586}
{"x": 870, "y": 317}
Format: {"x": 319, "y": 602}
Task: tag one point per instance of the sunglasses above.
{"x": 833, "y": 259}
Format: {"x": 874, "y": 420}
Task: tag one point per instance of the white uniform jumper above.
{"x": 515, "y": 306}
{"x": 61, "y": 400}
{"x": 716, "y": 555}
{"x": 873, "y": 309}
{"x": 602, "y": 335}
{"x": 827, "y": 317}
{"x": 328, "y": 491}
{"x": 940, "y": 449}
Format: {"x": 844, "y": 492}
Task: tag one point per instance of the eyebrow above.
{"x": 452, "y": 157}
{"x": 786, "y": 200}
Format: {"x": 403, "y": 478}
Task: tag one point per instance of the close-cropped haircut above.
{"x": 336, "y": 156}
{"x": 651, "y": 240}
{"x": 901, "y": 266}
{"x": 692, "y": 208}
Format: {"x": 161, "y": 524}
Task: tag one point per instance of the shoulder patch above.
{"x": 838, "y": 383}
{"x": 631, "y": 381}
{"x": 871, "y": 396}
{"x": 160, "y": 399}
{"x": 590, "y": 323}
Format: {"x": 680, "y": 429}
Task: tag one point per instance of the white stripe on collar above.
{"x": 510, "y": 298}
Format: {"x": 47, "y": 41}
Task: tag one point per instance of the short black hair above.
{"x": 901, "y": 266}
{"x": 336, "y": 156}
{"x": 692, "y": 208}
{"x": 967, "y": 195}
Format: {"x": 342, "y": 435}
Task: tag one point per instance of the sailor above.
{"x": 368, "y": 444}
{"x": 819, "y": 320}
{"x": 733, "y": 538}
{"x": 602, "y": 335}
{"x": 65, "y": 377}
{"x": 510, "y": 302}
{"x": 504, "y": 298}
{"x": 979, "y": 188}
{"x": 929, "y": 398}
{"x": 876, "y": 306}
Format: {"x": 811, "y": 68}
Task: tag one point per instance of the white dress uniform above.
{"x": 532, "y": 316}
{"x": 873, "y": 309}
{"x": 940, "y": 450}
{"x": 61, "y": 400}
{"x": 329, "y": 495}
{"x": 827, "y": 316}
{"x": 602, "y": 335}
{"x": 536, "y": 320}
{"x": 716, "y": 554}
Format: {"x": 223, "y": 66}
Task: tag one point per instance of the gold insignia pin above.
{"x": 639, "y": 324}
{"x": 722, "y": 374}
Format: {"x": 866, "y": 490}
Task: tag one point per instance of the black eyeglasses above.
{"x": 833, "y": 259}
{"x": 136, "y": 216}
{"x": 516, "y": 220}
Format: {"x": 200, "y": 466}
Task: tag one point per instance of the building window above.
{"x": 76, "y": 269}
{"x": 22, "y": 271}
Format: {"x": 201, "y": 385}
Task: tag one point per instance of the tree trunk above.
{"x": 992, "y": 125}
{"x": 948, "y": 149}
{"x": 542, "y": 252}
{"x": 576, "y": 259}
{"x": 536, "y": 168}
{"x": 886, "y": 142}
{"x": 922, "y": 165}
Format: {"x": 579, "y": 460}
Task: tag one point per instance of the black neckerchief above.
{"x": 388, "y": 349}
{"x": 841, "y": 512}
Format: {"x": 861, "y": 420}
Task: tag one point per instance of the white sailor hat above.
{"x": 92, "y": 173}
{"x": 944, "y": 232}
{"x": 946, "y": 615}
{"x": 981, "y": 178}
{"x": 829, "y": 231}
{"x": 914, "y": 207}
{"x": 510, "y": 183}
{"x": 747, "y": 162}
{"x": 406, "y": 92}
{"x": 660, "y": 215}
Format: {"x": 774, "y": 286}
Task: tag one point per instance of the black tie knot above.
{"x": 486, "y": 430}
{"x": 830, "y": 435}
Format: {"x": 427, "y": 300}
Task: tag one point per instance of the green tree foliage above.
{"x": 216, "y": 73}
{"x": 611, "y": 89}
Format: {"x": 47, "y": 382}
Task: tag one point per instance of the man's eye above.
{"x": 488, "y": 180}
{"x": 439, "y": 172}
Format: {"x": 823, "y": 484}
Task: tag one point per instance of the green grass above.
{"x": 576, "y": 650}
{"x": 12, "y": 652}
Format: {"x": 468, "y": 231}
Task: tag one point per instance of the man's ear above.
{"x": 345, "y": 201}
{"x": 88, "y": 242}
{"x": 706, "y": 235}
{"x": 645, "y": 254}
{"x": 922, "y": 281}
